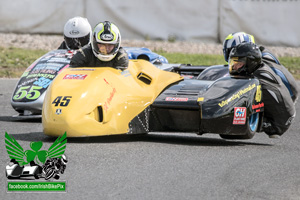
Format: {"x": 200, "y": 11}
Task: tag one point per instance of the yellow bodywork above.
{"x": 77, "y": 95}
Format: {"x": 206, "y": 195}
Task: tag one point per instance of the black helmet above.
{"x": 244, "y": 59}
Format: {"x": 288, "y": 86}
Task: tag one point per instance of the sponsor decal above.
{"x": 237, "y": 95}
{"x": 111, "y": 96}
{"x": 46, "y": 57}
{"x": 75, "y": 76}
{"x": 107, "y": 37}
{"x": 176, "y": 99}
{"x": 258, "y": 94}
{"x": 258, "y": 107}
{"x": 106, "y": 81}
{"x": 109, "y": 99}
{"x": 239, "y": 115}
{"x": 51, "y": 76}
{"x": 35, "y": 163}
{"x": 43, "y": 71}
{"x": 74, "y": 32}
{"x": 53, "y": 66}
{"x": 27, "y": 82}
{"x": 63, "y": 60}
{"x": 187, "y": 76}
{"x": 43, "y": 82}
{"x": 200, "y": 99}
{"x": 58, "y": 111}
{"x": 62, "y": 54}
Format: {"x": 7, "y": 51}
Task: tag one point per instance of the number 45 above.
{"x": 62, "y": 101}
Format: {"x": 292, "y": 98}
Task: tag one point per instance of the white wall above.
{"x": 272, "y": 22}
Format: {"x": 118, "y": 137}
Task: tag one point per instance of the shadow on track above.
{"x": 151, "y": 137}
{"x": 21, "y": 119}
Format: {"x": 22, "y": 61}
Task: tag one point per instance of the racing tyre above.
{"x": 49, "y": 174}
{"x": 252, "y": 126}
{"x": 36, "y": 176}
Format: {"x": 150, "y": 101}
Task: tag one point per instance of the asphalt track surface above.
{"x": 162, "y": 166}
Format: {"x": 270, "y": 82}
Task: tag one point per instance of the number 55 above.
{"x": 33, "y": 93}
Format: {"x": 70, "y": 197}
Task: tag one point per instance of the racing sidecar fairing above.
{"x": 28, "y": 96}
{"x": 229, "y": 106}
{"x": 29, "y": 93}
{"x": 103, "y": 100}
{"x": 143, "y": 98}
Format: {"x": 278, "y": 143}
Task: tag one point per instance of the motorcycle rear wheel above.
{"x": 252, "y": 125}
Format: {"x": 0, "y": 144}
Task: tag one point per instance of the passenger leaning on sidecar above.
{"x": 245, "y": 59}
{"x": 77, "y": 33}
{"x": 104, "y": 50}
{"x": 268, "y": 58}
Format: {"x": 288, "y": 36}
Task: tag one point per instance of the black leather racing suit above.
{"x": 86, "y": 58}
{"x": 279, "y": 107}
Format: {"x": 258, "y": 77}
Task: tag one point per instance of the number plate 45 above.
{"x": 62, "y": 101}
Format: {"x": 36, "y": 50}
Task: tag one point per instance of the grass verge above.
{"x": 14, "y": 61}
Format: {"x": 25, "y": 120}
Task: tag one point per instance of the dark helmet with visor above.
{"x": 244, "y": 59}
{"x": 233, "y": 40}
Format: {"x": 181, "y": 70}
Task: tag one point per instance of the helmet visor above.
{"x": 236, "y": 64}
{"x": 104, "y": 48}
{"x": 76, "y": 43}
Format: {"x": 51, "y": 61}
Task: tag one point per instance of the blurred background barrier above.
{"x": 272, "y": 22}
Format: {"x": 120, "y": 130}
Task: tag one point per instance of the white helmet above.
{"x": 106, "y": 33}
{"x": 64, "y": 159}
{"x": 77, "y": 32}
{"x": 235, "y": 39}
